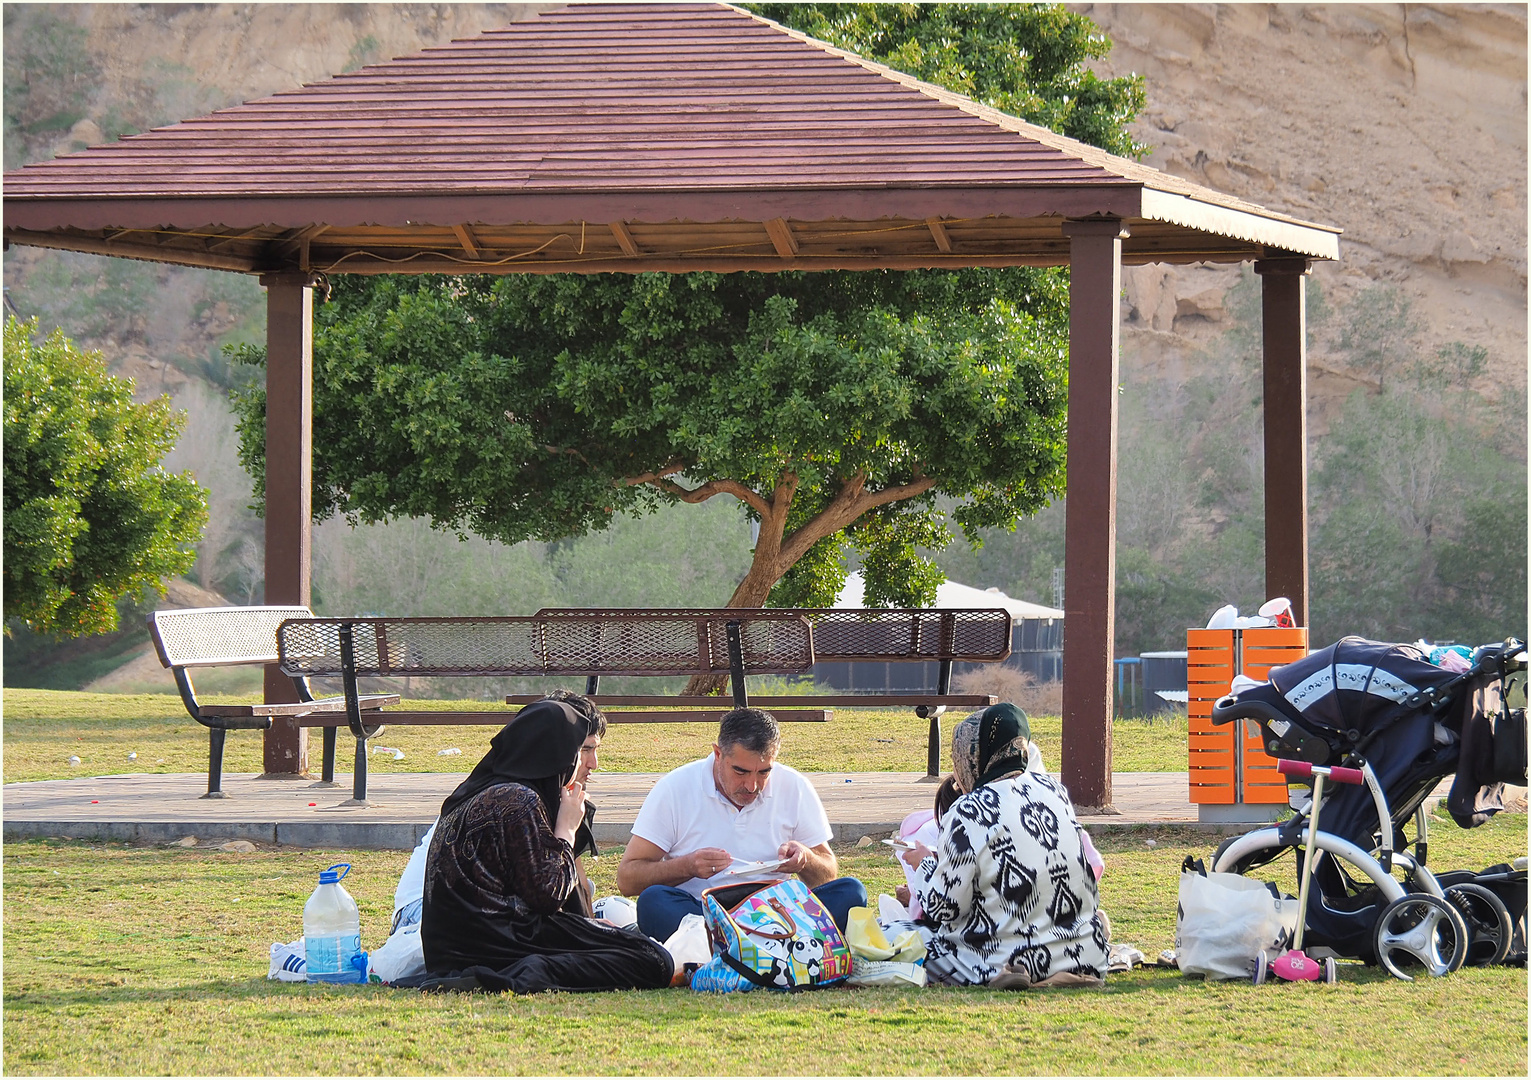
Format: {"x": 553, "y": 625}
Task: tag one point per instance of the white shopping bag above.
{"x": 1223, "y": 922}
{"x": 689, "y": 944}
{"x": 400, "y": 957}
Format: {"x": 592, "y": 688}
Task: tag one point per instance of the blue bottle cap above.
{"x": 329, "y": 877}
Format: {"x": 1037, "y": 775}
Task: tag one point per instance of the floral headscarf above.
{"x": 989, "y": 744}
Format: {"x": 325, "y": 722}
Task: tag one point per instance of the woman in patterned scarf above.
{"x": 1010, "y": 892}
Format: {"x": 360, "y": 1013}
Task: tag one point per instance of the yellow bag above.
{"x": 867, "y": 940}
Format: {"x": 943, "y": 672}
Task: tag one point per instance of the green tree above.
{"x": 837, "y": 407}
{"x": 90, "y": 517}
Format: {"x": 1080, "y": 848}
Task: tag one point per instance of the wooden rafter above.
{"x": 248, "y": 234}
{"x": 938, "y": 234}
{"x": 625, "y": 239}
{"x": 781, "y": 237}
{"x": 466, "y": 238}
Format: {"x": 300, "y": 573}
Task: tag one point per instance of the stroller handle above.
{"x": 1302, "y": 770}
{"x": 1227, "y": 709}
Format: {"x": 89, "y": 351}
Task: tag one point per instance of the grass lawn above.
{"x": 43, "y": 728}
{"x": 134, "y": 960}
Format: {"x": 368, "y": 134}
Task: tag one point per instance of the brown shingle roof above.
{"x": 651, "y": 115}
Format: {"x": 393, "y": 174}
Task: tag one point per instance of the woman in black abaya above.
{"x": 501, "y": 910}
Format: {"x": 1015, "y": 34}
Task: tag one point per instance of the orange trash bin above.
{"x": 1231, "y": 776}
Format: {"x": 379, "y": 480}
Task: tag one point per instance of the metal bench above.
{"x": 649, "y": 643}
{"x": 943, "y": 635}
{"x": 188, "y": 638}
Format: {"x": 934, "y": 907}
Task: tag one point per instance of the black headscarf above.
{"x": 539, "y": 748}
{"x": 989, "y": 744}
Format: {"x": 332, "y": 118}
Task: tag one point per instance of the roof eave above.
{"x": 1314, "y": 241}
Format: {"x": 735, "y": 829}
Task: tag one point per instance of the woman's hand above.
{"x": 915, "y": 855}
{"x": 571, "y": 811}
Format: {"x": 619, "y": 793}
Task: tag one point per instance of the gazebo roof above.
{"x": 620, "y": 137}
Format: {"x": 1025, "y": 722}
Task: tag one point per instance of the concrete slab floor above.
{"x": 401, "y": 806}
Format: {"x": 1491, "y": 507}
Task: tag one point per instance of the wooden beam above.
{"x": 781, "y": 237}
{"x": 148, "y": 252}
{"x": 1089, "y": 568}
{"x": 624, "y": 239}
{"x": 465, "y": 237}
{"x": 227, "y": 240}
{"x": 1284, "y": 313}
{"x": 938, "y": 234}
{"x": 289, "y": 487}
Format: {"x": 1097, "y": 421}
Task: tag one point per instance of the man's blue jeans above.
{"x": 661, "y": 907}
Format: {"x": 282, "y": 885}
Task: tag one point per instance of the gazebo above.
{"x": 619, "y": 138}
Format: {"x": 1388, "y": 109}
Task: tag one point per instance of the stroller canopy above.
{"x": 1356, "y": 684}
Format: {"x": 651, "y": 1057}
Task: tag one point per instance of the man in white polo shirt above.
{"x": 734, "y": 807}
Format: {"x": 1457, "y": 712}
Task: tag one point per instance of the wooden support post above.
{"x": 1089, "y": 587}
{"x": 1286, "y": 430}
{"x": 289, "y": 443}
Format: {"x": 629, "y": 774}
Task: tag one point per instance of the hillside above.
{"x": 1405, "y": 125}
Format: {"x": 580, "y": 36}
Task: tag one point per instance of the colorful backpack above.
{"x": 771, "y": 934}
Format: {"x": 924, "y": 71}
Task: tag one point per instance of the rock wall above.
{"x": 1404, "y": 124}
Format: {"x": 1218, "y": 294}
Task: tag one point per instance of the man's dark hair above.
{"x": 753, "y": 729}
{"x": 585, "y": 707}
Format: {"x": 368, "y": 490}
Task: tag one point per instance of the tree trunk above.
{"x": 751, "y": 593}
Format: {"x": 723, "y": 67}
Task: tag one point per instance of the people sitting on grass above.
{"x": 703, "y": 822}
{"x": 410, "y": 893}
{"x": 1009, "y": 894}
{"x": 502, "y": 909}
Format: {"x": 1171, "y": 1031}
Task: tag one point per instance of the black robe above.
{"x": 501, "y": 910}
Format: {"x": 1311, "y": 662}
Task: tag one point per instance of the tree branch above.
{"x": 649, "y": 477}
{"x": 709, "y": 489}
{"x": 848, "y": 505}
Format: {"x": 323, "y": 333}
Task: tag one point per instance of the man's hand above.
{"x": 706, "y": 862}
{"x": 795, "y": 857}
{"x": 645, "y": 863}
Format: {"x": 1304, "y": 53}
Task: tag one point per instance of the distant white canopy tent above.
{"x": 1036, "y": 640}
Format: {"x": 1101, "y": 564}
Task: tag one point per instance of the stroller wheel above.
{"x": 1331, "y": 970}
{"x": 1489, "y": 928}
{"x": 1420, "y": 930}
{"x": 1262, "y": 967}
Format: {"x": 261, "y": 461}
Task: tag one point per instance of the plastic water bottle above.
{"x": 332, "y": 931}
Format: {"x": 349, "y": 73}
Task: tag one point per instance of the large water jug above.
{"x": 332, "y": 931}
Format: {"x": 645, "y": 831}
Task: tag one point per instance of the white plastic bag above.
{"x": 689, "y": 944}
{"x": 1223, "y": 922}
{"x": 400, "y": 957}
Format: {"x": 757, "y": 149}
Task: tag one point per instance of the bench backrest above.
{"x": 976, "y": 635}
{"x": 207, "y": 637}
{"x": 582, "y": 643}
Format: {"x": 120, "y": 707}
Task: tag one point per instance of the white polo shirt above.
{"x": 684, "y": 812}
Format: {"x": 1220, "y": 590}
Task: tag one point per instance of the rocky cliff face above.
{"x": 1404, "y": 124}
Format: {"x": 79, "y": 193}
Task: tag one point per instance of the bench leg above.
{"x": 328, "y": 776}
{"x": 215, "y": 737}
{"x": 359, "y": 774}
{"x": 933, "y": 749}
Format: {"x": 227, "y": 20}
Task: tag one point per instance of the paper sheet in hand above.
{"x": 768, "y": 866}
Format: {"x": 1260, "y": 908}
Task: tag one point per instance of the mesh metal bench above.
{"x": 590, "y": 644}
{"x": 943, "y": 635}
{"x": 189, "y": 638}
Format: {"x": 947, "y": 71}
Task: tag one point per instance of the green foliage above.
{"x": 544, "y": 407}
{"x": 1381, "y": 334}
{"x": 1028, "y": 60}
{"x": 90, "y": 517}
{"x": 524, "y": 407}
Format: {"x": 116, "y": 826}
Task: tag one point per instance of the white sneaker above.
{"x": 288, "y": 963}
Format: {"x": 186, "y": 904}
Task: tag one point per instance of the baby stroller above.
{"x": 1406, "y": 724}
